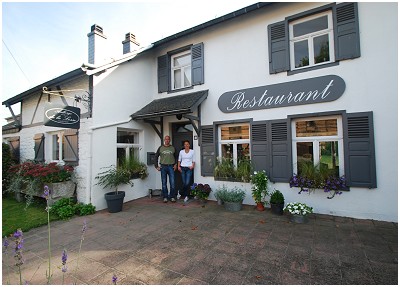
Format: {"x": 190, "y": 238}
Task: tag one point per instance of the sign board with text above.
{"x": 62, "y": 116}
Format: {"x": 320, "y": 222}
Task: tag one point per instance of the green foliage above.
{"x": 234, "y": 195}
{"x": 224, "y": 168}
{"x": 113, "y": 177}
{"x": 277, "y": 197}
{"x": 259, "y": 185}
{"x": 7, "y": 161}
{"x": 134, "y": 166}
{"x": 65, "y": 208}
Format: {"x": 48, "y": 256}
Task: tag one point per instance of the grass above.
{"x": 15, "y": 215}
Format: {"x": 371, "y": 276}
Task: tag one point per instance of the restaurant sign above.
{"x": 302, "y": 92}
{"x": 62, "y": 116}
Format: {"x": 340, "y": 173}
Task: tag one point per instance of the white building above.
{"x": 275, "y": 81}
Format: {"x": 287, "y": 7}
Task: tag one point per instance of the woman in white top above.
{"x": 186, "y": 164}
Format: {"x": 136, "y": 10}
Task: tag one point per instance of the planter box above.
{"x": 60, "y": 190}
{"x": 298, "y": 218}
{"x": 233, "y": 206}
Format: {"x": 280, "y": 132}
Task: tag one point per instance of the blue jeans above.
{"x": 186, "y": 178}
{"x": 168, "y": 170}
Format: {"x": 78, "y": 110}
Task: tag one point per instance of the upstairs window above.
{"x": 181, "y": 73}
{"x": 314, "y": 39}
{"x": 311, "y": 41}
{"x": 181, "y": 68}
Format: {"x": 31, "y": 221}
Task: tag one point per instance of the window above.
{"x": 181, "y": 68}
{"x": 127, "y": 144}
{"x": 314, "y": 39}
{"x": 318, "y": 141}
{"x": 311, "y": 41}
{"x": 234, "y": 142}
{"x": 64, "y": 146}
{"x": 181, "y": 74}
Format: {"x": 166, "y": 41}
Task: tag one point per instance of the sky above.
{"x": 44, "y": 40}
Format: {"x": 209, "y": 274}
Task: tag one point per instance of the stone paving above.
{"x": 151, "y": 242}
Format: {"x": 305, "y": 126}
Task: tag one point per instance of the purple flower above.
{"x": 64, "y": 258}
{"x": 6, "y": 243}
{"x": 46, "y": 192}
{"x": 18, "y": 247}
{"x": 114, "y": 279}
{"x": 84, "y": 227}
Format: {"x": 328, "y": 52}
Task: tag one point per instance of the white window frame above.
{"x": 60, "y": 143}
{"x": 233, "y": 142}
{"x": 317, "y": 139}
{"x": 182, "y": 69}
{"x": 128, "y": 146}
{"x": 309, "y": 37}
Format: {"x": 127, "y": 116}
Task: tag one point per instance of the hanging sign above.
{"x": 62, "y": 116}
{"x": 302, "y": 92}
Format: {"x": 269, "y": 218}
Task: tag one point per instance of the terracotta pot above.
{"x": 260, "y": 206}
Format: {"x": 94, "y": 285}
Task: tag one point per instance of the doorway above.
{"x": 180, "y": 133}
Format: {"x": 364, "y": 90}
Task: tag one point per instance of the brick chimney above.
{"x": 97, "y": 45}
{"x": 129, "y": 44}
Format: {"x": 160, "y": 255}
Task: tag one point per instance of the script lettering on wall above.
{"x": 62, "y": 116}
{"x": 302, "y": 92}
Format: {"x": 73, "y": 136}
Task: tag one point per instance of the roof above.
{"x": 18, "y": 98}
{"x": 182, "y": 104}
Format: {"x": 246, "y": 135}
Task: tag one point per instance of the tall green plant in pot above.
{"x": 113, "y": 177}
{"x": 277, "y": 202}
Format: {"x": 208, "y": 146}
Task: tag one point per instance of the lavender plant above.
{"x": 114, "y": 279}
{"x": 18, "y": 239}
{"x": 64, "y": 258}
{"x": 6, "y": 244}
{"x": 46, "y": 195}
{"x": 84, "y": 228}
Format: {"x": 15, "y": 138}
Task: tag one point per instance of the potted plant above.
{"x": 232, "y": 199}
{"x": 277, "y": 202}
{"x": 113, "y": 177}
{"x": 201, "y": 191}
{"x": 259, "y": 188}
{"x": 298, "y": 211}
{"x": 137, "y": 168}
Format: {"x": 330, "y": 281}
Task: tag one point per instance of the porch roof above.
{"x": 177, "y": 105}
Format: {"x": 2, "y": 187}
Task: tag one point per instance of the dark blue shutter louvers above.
{"x": 198, "y": 64}
{"x": 278, "y": 43}
{"x": 259, "y": 146}
{"x": 162, "y": 73}
{"x": 347, "y": 36}
{"x": 360, "y": 166}
{"x": 207, "y": 151}
{"x": 281, "y": 156}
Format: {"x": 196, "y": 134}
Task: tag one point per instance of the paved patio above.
{"x": 150, "y": 242}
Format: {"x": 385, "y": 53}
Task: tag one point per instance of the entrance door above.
{"x": 180, "y": 133}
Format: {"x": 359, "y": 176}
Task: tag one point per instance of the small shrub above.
{"x": 277, "y": 197}
{"x": 234, "y": 195}
{"x": 65, "y": 208}
{"x": 85, "y": 209}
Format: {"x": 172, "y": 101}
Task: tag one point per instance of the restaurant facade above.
{"x": 274, "y": 83}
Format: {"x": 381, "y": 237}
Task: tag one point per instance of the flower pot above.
{"x": 277, "y": 208}
{"x": 260, "y": 206}
{"x": 233, "y": 206}
{"x": 114, "y": 201}
{"x": 220, "y": 202}
{"x": 65, "y": 189}
{"x": 296, "y": 218}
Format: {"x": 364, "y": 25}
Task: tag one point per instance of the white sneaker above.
{"x": 178, "y": 196}
{"x": 186, "y": 199}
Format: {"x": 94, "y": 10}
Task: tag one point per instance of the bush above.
{"x": 234, "y": 195}
{"x": 7, "y": 161}
{"x": 65, "y": 208}
{"x": 277, "y": 197}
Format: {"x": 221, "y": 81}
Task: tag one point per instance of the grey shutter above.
{"x": 347, "y": 36}
{"x": 259, "y": 146}
{"x": 162, "y": 73}
{"x": 207, "y": 151}
{"x": 359, "y": 149}
{"x": 70, "y": 146}
{"x": 39, "y": 147}
{"x": 14, "y": 144}
{"x": 198, "y": 64}
{"x": 278, "y": 43}
{"x": 281, "y": 156}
